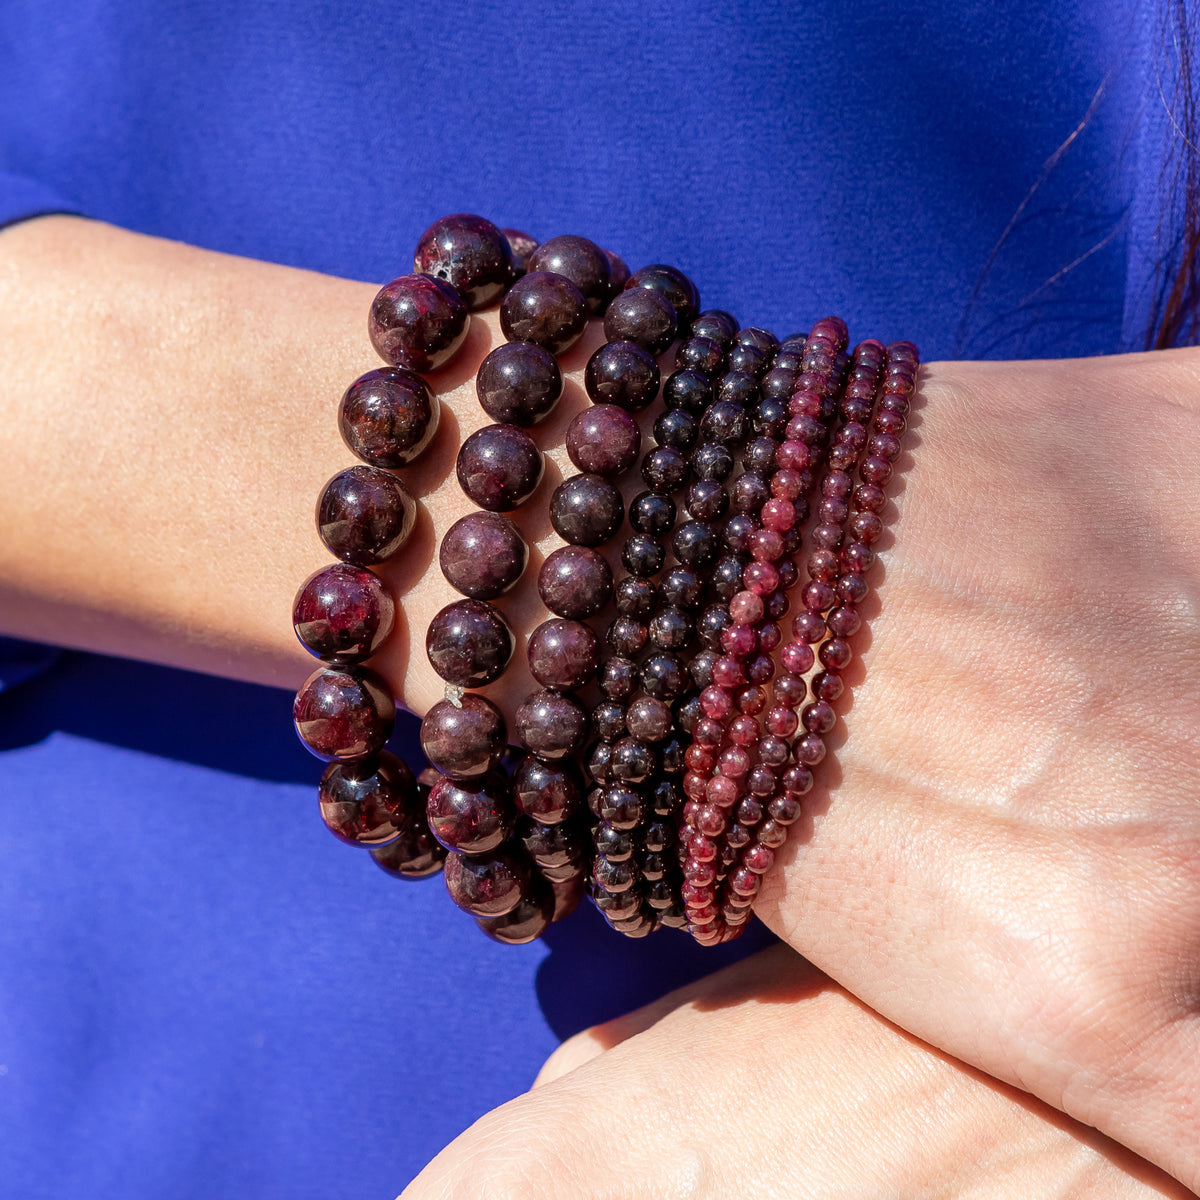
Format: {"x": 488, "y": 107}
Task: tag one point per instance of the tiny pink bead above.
{"x": 805, "y": 404}
{"x": 710, "y": 820}
{"x": 761, "y": 578}
{"x": 818, "y": 596}
{"x": 744, "y": 731}
{"x": 782, "y": 722}
{"x": 766, "y": 545}
{"x": 746, "y": 608}
{"x": 778, "y": 514}
{"x": 727, "y": 672}
{"x": 737, "y": 640}
{"x": 700, "y": 758}
{"x": 828, "y": 537}
{"x": 832, "y": 511}
{"x": 837, "y": 485}
{"x": 691, "y": 808}
{"x": 843, "y": 621}
{"x": 876, "y": 470}
{"x": 716, "y": 702}
{"x": 735, "y": 762}
{"x": 699, "y": 872}
{"x": 701, "y": 848}
{"x": 823, "y": 565}
{"x": 744, "y": 882}
{"x": 721, "y": 791}
{"x": 695, "y": 785}
{"x": 797, "y": 656}
{"x": 818, "y": 717}
{"x": 790, "y": 485}
{"x": 708, "y": 732}
{"x": 794, "y": 456}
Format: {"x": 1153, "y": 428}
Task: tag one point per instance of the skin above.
{"x": 1002, "y": 858}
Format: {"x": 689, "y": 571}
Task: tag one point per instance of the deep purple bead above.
{"x": 712, "y": 460}
{"x": 676, "y": 427}
{"x": 622, "y": 373}
{"x": 608, "y": 720}
{"x": 664, "y": 676}
{"x": 544, "y": 308}
{"x": 603, "y": 439}
{"x": 499, "y": 467}
{"x": 673, "y": 284}
{"x": 683, "y": 587}
{"x": 649, "y": 720}
{"x": 575, "y": 582}
{"x": 473, "y": 818}
{"x": 469, "y": 643}
{"x": 688, "y": 389}
{"x": 752, "y": 360}
{"x": 644, "y": 316}
{"x": 707, "y": 500}
{"x": 344, "y": 713}
{"x": 627, "y": 636}
{"x": 388, "y": 416}
{"x": 582, "y": 262}
{"x": 700, "y": 354}
{"x": 551, "y": 725}
{"x": 619, "y": 269}
{"x": 695, "y": 543}
{"x": 519, "y": 383}
{"x": 717, "y": 324}
{"x": 464, "y": 741}
{"x": 618, "y": 678}
{"x": 652, "y": 513}
{"x": 364, "y": 515}
{"x": 531, "y": 918}
{"x": 522, "y": 246}
{"x": 759, "y": 338}
{"x": 487, "y": 887}
{"x": 468, "y": 252}
{"x": 643, "y": 556}
{"x": 632, "y": 761}
{"x": 342, "y": 613}
{"x": 586, "y": 510}
{"x": 549, "y": 792}
{"x": 414, "y": 853}
{"x": 418, "y": 322}
{"x": 665, "y": 469}
{"x": 670, "y": 629}
{"x": 778, "y": 384}
{"x": 367, "y": 802}
{"x": 482, "y": 555}
{"x": 738, "y": 388}
{"x": 563, "y": 654}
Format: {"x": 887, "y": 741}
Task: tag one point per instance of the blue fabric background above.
{"x": 201, "y": 993}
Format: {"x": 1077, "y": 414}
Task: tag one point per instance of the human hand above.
{"x": 768, "y": 1080}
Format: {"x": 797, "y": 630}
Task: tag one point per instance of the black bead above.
{"x": 712, "y": 460}
{"x": 688, "y": 389}
{"x": 739, "y": 532}
{"x": 758, "y": 455}
{"x": 666, "y": 798}
{"x": 632, "y": 761}
{"x": 700, "y": 669}
{"x": 770, "y": 418}
{"x": 617, "y": 845}
{"x": 778, "y": 383}
{"x": 621, "y": 807}
{"x": 749, "y": 359}
{"x": 643, "y": 555}
{"x": 652, "y": 513}
{"x": 676, "y": 427}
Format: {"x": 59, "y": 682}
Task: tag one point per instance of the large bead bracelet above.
{"x": 668, "y": 748}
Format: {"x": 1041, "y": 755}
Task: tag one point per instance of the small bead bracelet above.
{"x": 687, "y": 691}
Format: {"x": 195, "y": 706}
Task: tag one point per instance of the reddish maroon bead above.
{"x": 482, "y": 555}
{"x": 575, "y": 582}
{"x": 388, "y": 416}
{"x": 418, "y": 322}
{"x": 797, "y": 780}
{"x": 835, "y": 654}
{"x": 809, "y": 749}
{"x": 895, "y": 404}
{"x": 674, "y": 285}
{"x": 342, "y": 613}
{"x": 464, "y": 741}
{"x": 701, "y": 848}
{"x": 699, "y": 872}
{"x": 695, "y": 785}
{"x": 790, "y": 690}
{"x": 700, "y": 759}
{"x": 778, "y": 514}
{"x": 827, "y": 685}
{"x": 858, "y": 557}
{"x": 544, "y": 308}
{"x": 876, "y": 470}
{"x": 499, "y": 467}
{"x": 644, "y": 316}
{"x": 549, "y": 792}
{"x": 727, "y": 672}
{"x": 828, "y": 537}
{"x": 807, "y": 627}
{"x": 649, "y": 719}
{"x": 744, "y": 882}
{"x": 853, "y": 434}
{"x": 344, "y": 713}
{"x": 368, "y": 802}
{"x": 866, "y": 527}
{"x": 716, "y": 702}
{"x": 519, "y": 384}
{"x": 842, "y": 457}
{"x": 818, "y": 596}
{"x": 365, "y": 515}
{"x": 888, "y": 422}
{"x": 843, "y": 622}
{"x": 823, "y": 566}
{"x": 472, "y": 819}
{"x": 837, "y": 485}
{"x": 710, "y": 821}
{"x": 414, "y": 853}
{"x": 760, "y": 578}
{"x": 468, "y": 252}
{"x": 721, "y": 792}
{"x": 582, "y": 262}
{"x": 522, "y": 246}
{"x": 622, "y": 373}
{"x": 586, "y": 510}
{"x": 797, "y": 655}
{"x": 551, "y": 725}
{"x": 818, "y": 717}
{"x": 791, "y": 485}
{"x": 737, "y": 640}
{"x": 708, "y": 732}
{"x": 759, "y": 859}
{"x": 744, "y": 731}
{"x": 885, "y": 445}
{"x": 784, "y": 809}
{"x": 771, "y": 834}
{"x": 746, "y": 608}
{"x": 487, "y": 887}
{"x": 696, "y": 895}
{"x": 604, "y": 439}
{"x": 563, "y": 654}
{"x": 852, "y": 588}
{"x": 832, "y": 512}
{"x": 793, "y": 456}
{"x": 767, "y": 637}
{"x": 469, "y": 643}
{"x": 531, "y": 917}
{"x": 734, "y": 762}
{"x": 780, "y": 722}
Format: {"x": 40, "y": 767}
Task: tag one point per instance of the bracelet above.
{"x": 701, "y": 750}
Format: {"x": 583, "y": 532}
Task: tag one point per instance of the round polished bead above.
{"x": 530, "y": 918}
{"x": 695, "y": 543}
{"x": 652, "y": 513}
{"x": 586, "y": 510}
{"x": 618, "y": 678}
{"x": 852, "y": 588}
{"x": 748, "y": 493}
{"x": 700, "y": 354}
{"x": 418, "y": 322}
{"x": 344, "y": 713}
{"x": 575, "y": 582}
{"x": 736, "y": 387}
{"x": 712, "y": 460}
{"x": 707, "y": 499}
{"x": 465, "y": 740}
{"x": 468, "y": 252}
{"x": 644, "y": 316}
{"x": 790, "y": 689}
{"x": 603, "y": 440}
{"x": 519, "y": 383}
{"x": 620, "y": 272}
{"x": 749, "y": 359}
{"x": 482, "y": 555}
{"x": 414, "y": 853}
{"x": 487, "y": 887}
{"x": 368, "y": 802}
{"x": 809, "y": 749}
{"x": 471, "y": 819}
{"x": 364, "y": 515}
{"x": 342, "y": 613}
{"x": 549, "y": 792}
{"x": 758, "y": 455}
{"x": 716, "y": 324}
{"x": 670, "y": 629}
{"x": 622, "y": 373}
{"x": 843, "y": 622}
{"x": 618, "y": 905}
{"x": 551, "y": 725}
{"x": 817, "y": 717}
{"x": 689, "y": 390}
{"x": 683, "y": 587}
{"x": 664, "y": 676}
{"x": 674, "y": 285}
{"x": 835, "y": 654}
{"x": 608, "y": 720}
{"x": 643, "y": 555}
{"x": 522, "y": 246}
{"x": 866, "y": 527}
{"x": 388, "y": 416}
{"x": 469, "y": 643}
{"x": 858, "y": 557}
{"x": 676, "y": 427}
{"x": 554, "y": 845}
{"x": 621, "y": 806}
{"x": 797, "y": 655}
{"x": 544, "y": 308}
{"x": 648, "y": 719}
{"x": 778, "y": 382}
{"x": 613, "y": 877}
{"x": 636, "y": 598}
{"x": 876, "y": 469}
{"x": 627, "y": 637}
{"x": 582, "y": 262}
{"x": 499, "y": 467}
{"x": 632, "y": 761}
{"x": 563, "y": 654}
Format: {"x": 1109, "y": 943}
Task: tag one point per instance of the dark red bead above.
{"x": 835, "y": 654}
{"x": 858, "y": 557}
{"x": 620, "y": 271}
{"x": 818, "y": 717}
{"x": 487, "y": 887}
{"x": 364, "y": 515}
{"x": 809, "y": 749}
{"x": 368, "y": 802}
{"x": 575, "y": 582}
{"x": 876, "y": 470}
{"x": 466, "y": 740}
{"x": 852, "y": 588}
{"x": 532, "y": 916}
{"x": 613, "y": 877}
{"x": 827, "y": 685}
{"x": 550, "y": 792}
{"x": 784, "y": 809}
{"x": 843, "y": 622}
{"x": 544, "y": 308}
{"x": 342, "y": 613}
{"x": 469, "y": 643}
{"x": 499, "y": 467}
{"x": 553, "y": 847}
{"x": 551, "y": 725}
{"x": 473, "y": 818}
{"x": 388, "y": 416}
{"x": 717, "y": 324}
{"x": 418, "y": 322}
{"x": 621, "y": 807}
{"x": 797, "y": 780}
{"x": 866, "y": 527}
{"x": 586, "y": 510}
{"x": 519, "y": 384}
{"x": 622, "y": 373}
{"x": 674, "y": 285}
{"x": 468, "y": 252}
{"x": 563, "y": 654}
{"x": 644, "y": 316}
{"x": 582, "y": 262}
{"x": 603, "y": 439}
{"x": 522, "y": 246}
{"x": 344, "y": 713}
{"x": 482, "y": 555}
{"x": 649, "y": 719}
{"x": 414, "y": 854}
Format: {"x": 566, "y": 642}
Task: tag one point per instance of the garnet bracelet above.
{"x": 676, "y": 725}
